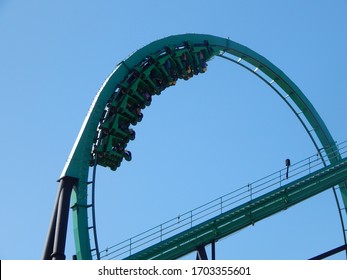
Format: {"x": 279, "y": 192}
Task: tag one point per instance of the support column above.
{"x": 51, "y": 231}
{"x": 330, "y": 253}
{"x": 213, "y": 249}
{"x": 56, "y": 240}
{"x": 201, "y": 253}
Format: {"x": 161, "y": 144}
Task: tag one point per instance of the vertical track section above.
{"x": 123, "y": 90}
{"x": 93, "y": 226}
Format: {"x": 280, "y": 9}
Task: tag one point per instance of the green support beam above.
{"x": 246, "y": 214}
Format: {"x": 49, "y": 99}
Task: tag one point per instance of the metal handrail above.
{"x": 217, "y": 206}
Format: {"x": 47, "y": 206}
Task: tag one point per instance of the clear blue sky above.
{"x": 197, "y": 141}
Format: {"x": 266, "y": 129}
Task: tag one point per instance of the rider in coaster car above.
{"x": 124, "y": 126}
{"x": 158, "y": 80}
{"x": 147, "y": 96}
{"x": 171, "y": 71}
{"x": 187, "y": 68}
{"x": 125, "y": 153}
{"x": 202, "y": 62}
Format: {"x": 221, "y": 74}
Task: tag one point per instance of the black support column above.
{"x": 201, "y": 253}
{"x": 56, "y": 239}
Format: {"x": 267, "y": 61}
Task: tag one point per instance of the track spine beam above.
{"x": 247, "y": 213}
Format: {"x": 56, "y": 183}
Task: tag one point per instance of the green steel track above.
{"x": 246, "y": 214}
{"x": 305, "y": 179}
{"x": 102, "y": 142}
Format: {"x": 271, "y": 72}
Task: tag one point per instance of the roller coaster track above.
{"x": 230, "y": 213}
{"x": 107, "y": 128}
